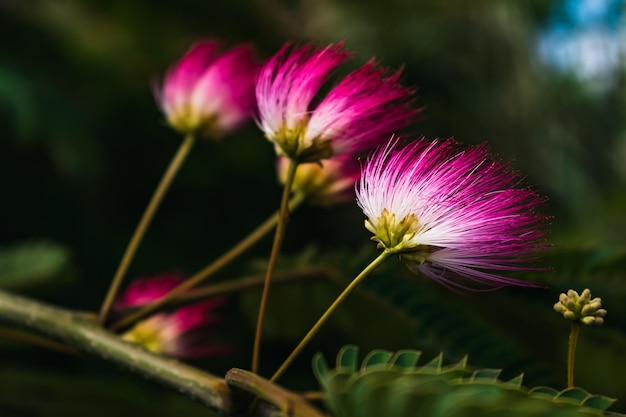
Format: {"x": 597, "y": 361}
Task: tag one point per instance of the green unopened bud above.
{"x": 585, "y": 296}
{"x": 570, "y": 304}
{"x": 560, "y": 308}
{"x": 592, "y": 321}
{"x": 581, "y": 307}
{"x": 569, "y": 315}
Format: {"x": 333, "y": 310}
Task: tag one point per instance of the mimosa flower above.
{"x": 326, "y": 183}
{"x": 208, "y": 92}
{"x": 184, "y": 332}
{"x": 452, "y": 213}
{"x": 361, "y": 110}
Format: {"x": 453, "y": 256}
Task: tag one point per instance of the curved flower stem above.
{"x": 144, "y": 223}
{"x": 278, "y": 240}
{"x": 210, "y": 269}
{"x": 571, "y": 353}
{"x": 242, "y": 284}
{"x": 368, "y": 270}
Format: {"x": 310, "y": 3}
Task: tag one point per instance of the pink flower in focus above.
{"x": 181, "y": 333}
{"x": 208, "y": 92}
{"x": 360, "y": 111}
{"x": 325, "y": 183}
{"x": 452, "y": 213}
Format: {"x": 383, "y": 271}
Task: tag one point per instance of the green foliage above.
{"x": 393, "y": 384}
{"x": 441, "y": 322}
{"x": 32, "y": 264}
{"x": 515, "y": 328}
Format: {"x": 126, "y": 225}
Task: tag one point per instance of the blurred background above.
{"x": 84, "y": 144}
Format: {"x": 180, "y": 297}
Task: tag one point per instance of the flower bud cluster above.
{"x": 581, "y": 307}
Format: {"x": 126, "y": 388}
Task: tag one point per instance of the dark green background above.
{"x": 83, "y": 145}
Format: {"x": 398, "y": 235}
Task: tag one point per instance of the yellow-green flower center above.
{"x": 291, "y": 143}
{"x": 185, "y": 120}
{"x": 148, "y": 334}
{"x": 395, "y": 235}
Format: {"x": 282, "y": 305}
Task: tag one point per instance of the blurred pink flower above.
{"x": 184, "y": 332}
{"x": 326, "y": 183}
{"x": 208, "y": 92}
{"x": 362, "y": 110}
{"x": 452, "y": 213}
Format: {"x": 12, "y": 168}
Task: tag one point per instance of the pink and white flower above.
{"x": 359, "y": 112}
{"x": 326, "y": 183}
{"x": 209, "y": 92}
{"x": 452, "y": 213}
{"x": 184, "y": 332}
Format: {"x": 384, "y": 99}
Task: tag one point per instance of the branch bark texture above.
{"x": 77, "y": 330}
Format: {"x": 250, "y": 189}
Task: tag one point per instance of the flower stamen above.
{"x": 392, "y": 235}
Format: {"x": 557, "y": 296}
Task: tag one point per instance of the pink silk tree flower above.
{"x": 452, "y": 213}
{"x": 326, "y": 183}
{"x": 184, "y": 332}
{"x": 209, "y": 92}
{"x": 359, "y": 112}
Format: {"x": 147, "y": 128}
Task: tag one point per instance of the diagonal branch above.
{"x": 77, "y": 330}
{"x": 289, "y": 403}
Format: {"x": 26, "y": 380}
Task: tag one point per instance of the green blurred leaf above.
{"x": 376, "y": 358}
{"x": 577, "y": 395}
{"x": 547, "y": 391}
{"x": 517, "y": 381}
{"x": 16, "y": 93}
{"x": 348, "y": 358}
{"x": 406, "y": 358}
{"x": 599, "y": 402}
{"x": 486, "y": 374}
{"x": 381, "y": 388}
{"x": 30, "y": 264}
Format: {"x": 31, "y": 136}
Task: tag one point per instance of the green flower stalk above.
{"x": 578, "y": 309}
{"x": 360, "y": 112}
{"x": 205, "y": 94}
{"x": 445, "y": 211}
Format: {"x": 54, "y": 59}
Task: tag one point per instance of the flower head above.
{"x": 325, "y": 183}
{"x": 581, "y": 307}
{"x": 452, "y": 213}
{"x": 179, "y": 333}
{"x": 208, "y": 92}
{"x": 360, "y": 111}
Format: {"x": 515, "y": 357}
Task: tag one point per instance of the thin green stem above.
{"x": 571, "y": 353}
{"x": 242, "y": 284}
{"x": 368, "y": 270}
{"x": 144, "y": 223}
{"x": 278, "y": 241}
{"x": 210, "y": 269}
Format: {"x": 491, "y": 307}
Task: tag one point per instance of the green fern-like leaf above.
{"x": 388, "y": 384}
{"x": 451, "y": 325}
